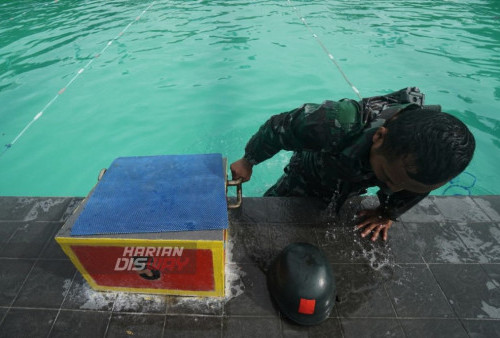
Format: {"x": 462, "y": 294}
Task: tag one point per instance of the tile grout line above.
{"x": 484, "y": 211}
{"x": 111, "y": 312}
{"x": 62, "y": 302}
{"x": 24, "y": 281}
{"x": 446, "y": 297}
{"x": 107, "y": 326}
{"x": 18, "y": 292}
{"x": 164, "y": 323}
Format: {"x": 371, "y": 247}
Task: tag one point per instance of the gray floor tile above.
{"x": 433, "y": 328}
{"x": 7, "y": 229}
{"x": 47, "y": 285}
{"x": 255, "y": 300}
{"x": 80, "y": 324}
{"x": 361, "y": 291}
{"x": 482, "y": 328}
{"x": 249, "y": 243}
{"x": 249, "y": 327}
{"x": 282, "y": 235}
{"x": 459, "y": 209}
{"x": 356, "y": 328}
{"x": 482, "y": 240}
{"x": 81, "y": 296}
{"x": 439, "y": 243}
{"x": 27, "y": 323}
{"x": 193, "y": 326}
{"x": 3, "y": 312}
{"x": 424, "y": 212}
{"x": 15, "y": 208}
{"x": 493, "y": 272}
{"x": 135, "y": 325}
{"x": 329, "y": 328}
{"x": 490, "y": 205}
{"x": 13, "y": 272}
{"x": 29, "y": 240}
{"x": 402, "y": 245}
{"x": 415, "y": 293}
{"x": 470, "y": 291}
{"x": 428, "y": 302}
{"x": 52, "y": 249}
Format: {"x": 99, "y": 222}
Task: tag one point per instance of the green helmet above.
{"x": 301, "y": 282}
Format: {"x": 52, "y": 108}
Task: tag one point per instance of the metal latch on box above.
{"x": 239, "y": 193}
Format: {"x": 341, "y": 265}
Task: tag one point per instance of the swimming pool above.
{"x": 132, "y": 78}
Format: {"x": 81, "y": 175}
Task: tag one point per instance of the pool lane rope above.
{"x": 330, "y": 55}
{"x": 78, "y": 73}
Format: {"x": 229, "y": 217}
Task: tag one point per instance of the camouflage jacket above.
{"x": 331, "y": 145}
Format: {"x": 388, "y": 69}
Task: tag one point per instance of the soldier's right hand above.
{"x": 241, "y": 169}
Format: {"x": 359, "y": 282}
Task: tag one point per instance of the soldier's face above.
{"x": 394, "y": 172}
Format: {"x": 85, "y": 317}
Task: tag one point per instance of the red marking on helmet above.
{"x": 307, "y": 306}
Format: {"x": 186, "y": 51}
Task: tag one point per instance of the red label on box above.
{"x": 174, "y": 268}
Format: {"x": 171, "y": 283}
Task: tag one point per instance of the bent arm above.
{"x": 311, "y": 127}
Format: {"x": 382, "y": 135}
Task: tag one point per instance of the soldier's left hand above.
{"x": 373, "y": 221}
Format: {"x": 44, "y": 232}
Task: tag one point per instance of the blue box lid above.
{"x": 157, "y": 194}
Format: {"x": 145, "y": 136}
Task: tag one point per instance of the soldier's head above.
{"x": 420, "y": 150}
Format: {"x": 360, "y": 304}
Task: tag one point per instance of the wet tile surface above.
{"x": 415, "y": 293}
{"x": 438, "y": 275}
{"x": 436, "y": 328}
{"x": 80, "y": 324}
{"x": 470, "y": 291}
{"x": 192, "y": 326}
{"x": 27, "y": 323}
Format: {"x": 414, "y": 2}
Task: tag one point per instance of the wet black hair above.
{"x": 438, "y": 146}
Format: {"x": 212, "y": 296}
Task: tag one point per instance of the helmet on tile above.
{"x": 301, "y": 282}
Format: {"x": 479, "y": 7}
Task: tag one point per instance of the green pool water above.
{"x": 189, "y": 77}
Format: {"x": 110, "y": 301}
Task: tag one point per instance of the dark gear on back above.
{"x": 301, "y": 282}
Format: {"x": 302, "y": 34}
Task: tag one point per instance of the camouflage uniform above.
{"x": 331, "y": 144}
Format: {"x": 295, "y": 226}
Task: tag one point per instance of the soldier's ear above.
{"x": 379, "y": 137}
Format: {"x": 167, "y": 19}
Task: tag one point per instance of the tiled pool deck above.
{"x": 437, "y": 276}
